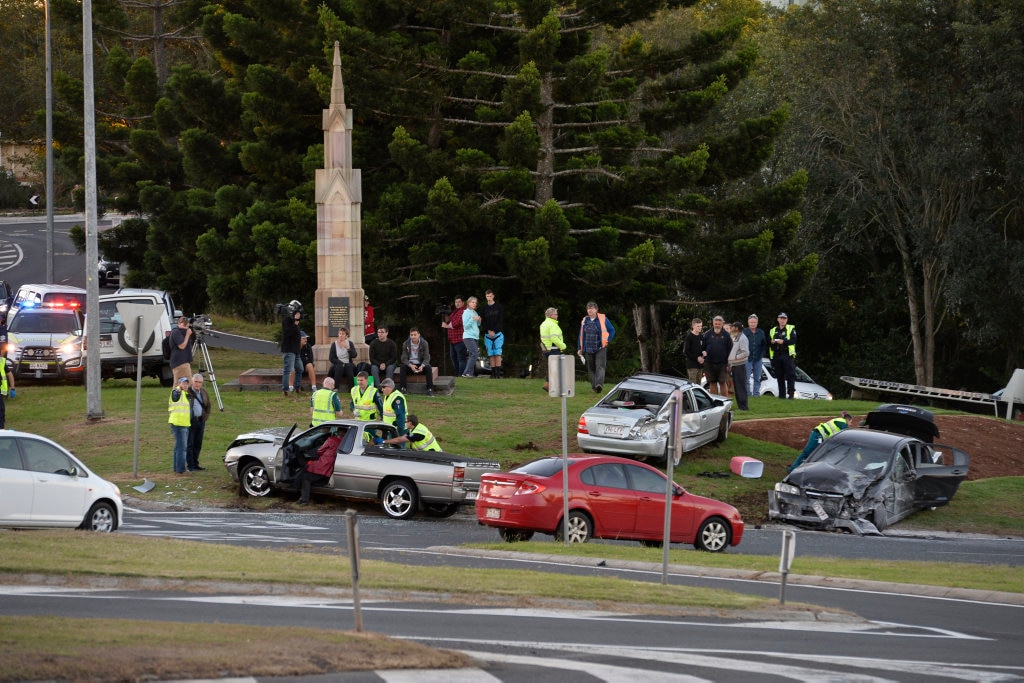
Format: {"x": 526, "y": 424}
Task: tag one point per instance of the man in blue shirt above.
{"x": 596, "y": 332}
{"x": 757, "y": 341}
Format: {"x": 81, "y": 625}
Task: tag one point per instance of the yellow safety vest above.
{"x": 323, "y": 406}
{"x": 389, "y": 407}
{"x": 180, "y": 410}
{"x": 363, "y": 406}
{"x": 551, "y": 335}
{"x": 3, "y": 376}
{"x": 428, "y": 442}
{"x": 771, "y": 347}
{"x": 830, "y": 428}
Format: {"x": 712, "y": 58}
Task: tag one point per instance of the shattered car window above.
{"x": 633, "y": 398}
{"x": 854, "y": 458}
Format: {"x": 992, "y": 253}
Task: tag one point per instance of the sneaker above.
{"x": 199, "y": 468}
{"x": 286, "y": 394}
{"x": 291, "y": 389}
{"x": 430, "y": 392}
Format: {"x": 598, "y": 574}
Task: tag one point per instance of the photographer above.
{"x": 181, "y": 350}
{"x": 291, "y": 341}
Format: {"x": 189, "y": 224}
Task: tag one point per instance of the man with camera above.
{"x": 291, "y": 341}
{"x": 181, "y": 350}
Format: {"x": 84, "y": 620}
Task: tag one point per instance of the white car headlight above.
{"x": 789, "y": 489}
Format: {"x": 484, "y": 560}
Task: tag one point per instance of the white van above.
{"x": 118, "y": 347}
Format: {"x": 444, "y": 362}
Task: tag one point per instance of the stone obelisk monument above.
{"x": 339, "y": 194}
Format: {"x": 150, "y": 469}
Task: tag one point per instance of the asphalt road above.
{"x": 902, "y": 635}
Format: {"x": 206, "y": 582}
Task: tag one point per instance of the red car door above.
{"x": 610, "y": 500}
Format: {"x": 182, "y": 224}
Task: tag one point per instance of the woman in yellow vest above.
{"x": 180, "y": 417}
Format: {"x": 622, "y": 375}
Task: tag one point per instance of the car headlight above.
{"x": 783, "y": 487}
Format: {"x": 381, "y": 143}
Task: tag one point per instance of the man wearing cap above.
{"x": 306, "y": 360}
{"x": 782, "y": 352}
{"x": 596, "y": 332}
{"x": 757, "y": 344}
{"x": 392, "y": 406}
{"x": 819, "y": 434}
{"x": 180, "y": 417}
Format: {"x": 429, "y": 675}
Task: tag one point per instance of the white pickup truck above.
{"x": 402, "y": 479}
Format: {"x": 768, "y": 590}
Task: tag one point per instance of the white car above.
{"x": 43, "y": 485}
{"x": 632, "y": 420}
{"x": 805, "y": 386}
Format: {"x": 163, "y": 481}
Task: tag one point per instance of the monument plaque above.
{"x": 337, "y": 314}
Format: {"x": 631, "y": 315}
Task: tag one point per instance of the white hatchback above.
{"x": 43, "y": 485}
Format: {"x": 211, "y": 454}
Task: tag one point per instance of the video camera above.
{"x": 289, "y": 309}
{"x": 443, "y": 309}
{"x": 199, "y": 325}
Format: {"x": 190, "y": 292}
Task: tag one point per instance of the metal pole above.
{"x": 138, "y": 394}
{"x": 49, "y": 146}
{"x": 565, "y": 469}
{"x": 673, "y": 434}
{"x": 352, "y": 526}
{"x": 94, "y": 405}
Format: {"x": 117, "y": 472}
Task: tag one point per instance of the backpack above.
{"x": 165, "y": 346}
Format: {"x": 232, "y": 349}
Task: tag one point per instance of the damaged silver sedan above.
{"x": 864, "y": 480}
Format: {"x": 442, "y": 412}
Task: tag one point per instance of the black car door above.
{"x": 939, "y": 469}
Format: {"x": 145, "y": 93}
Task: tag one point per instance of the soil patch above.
{"x": 996, "y": 446}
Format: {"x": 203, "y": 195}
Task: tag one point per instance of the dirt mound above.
{"x": 996, "y": 446}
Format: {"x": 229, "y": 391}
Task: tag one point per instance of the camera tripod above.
{"x": 200, "y": 346}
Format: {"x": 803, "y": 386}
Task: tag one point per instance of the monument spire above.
{"x": 339, "y": 194}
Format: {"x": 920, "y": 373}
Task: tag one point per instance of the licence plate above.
{"x": 819, "y": 510}
{"x": 614, "y": 430}
{"x": 470, "y": 495}
{"x": 38, "y": 366}
{"x": 492, "y": 513}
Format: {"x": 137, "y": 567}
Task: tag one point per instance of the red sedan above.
{"x": 609, "y": 497}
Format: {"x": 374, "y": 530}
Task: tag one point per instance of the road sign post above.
{"x": 786, "y": 560}
{"x": 562, "y": 382}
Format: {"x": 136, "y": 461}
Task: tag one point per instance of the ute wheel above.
{"x": 514, "y": 535}
{"x": 879, "y": 518}
{"x": 580, "y": 528}
{"x": 101, "y": 517}
{"x": 399, "y": 499}
{"x": 253, "y": 480}
{"x": 441, "y": 509}
{"x": 713, "y": 535}
{"x": 723, "y": 428}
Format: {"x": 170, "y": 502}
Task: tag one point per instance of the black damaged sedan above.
{"x": 863, "y": 480}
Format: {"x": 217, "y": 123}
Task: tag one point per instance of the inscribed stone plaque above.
{"x": 337, "y": 314}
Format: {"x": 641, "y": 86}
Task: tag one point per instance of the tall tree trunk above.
{"x": 640, "y": 323}
{"x": 545, "y": 187}
{"x": 657, "y": 339}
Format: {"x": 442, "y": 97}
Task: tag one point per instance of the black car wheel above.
{"x": 713, "y": 536}
{"x": 101, "y": 517}
{"x": 122, "y": 339}
{"x": 880, "y": 518}
{"x": 253, "y": 480}
{"x": 514, "y": 535}
{"x": 723, "y": 428}
{"x": 399, "y": 499}
{"x": 580, "y": 528}
{"x": 441, "y": 509}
